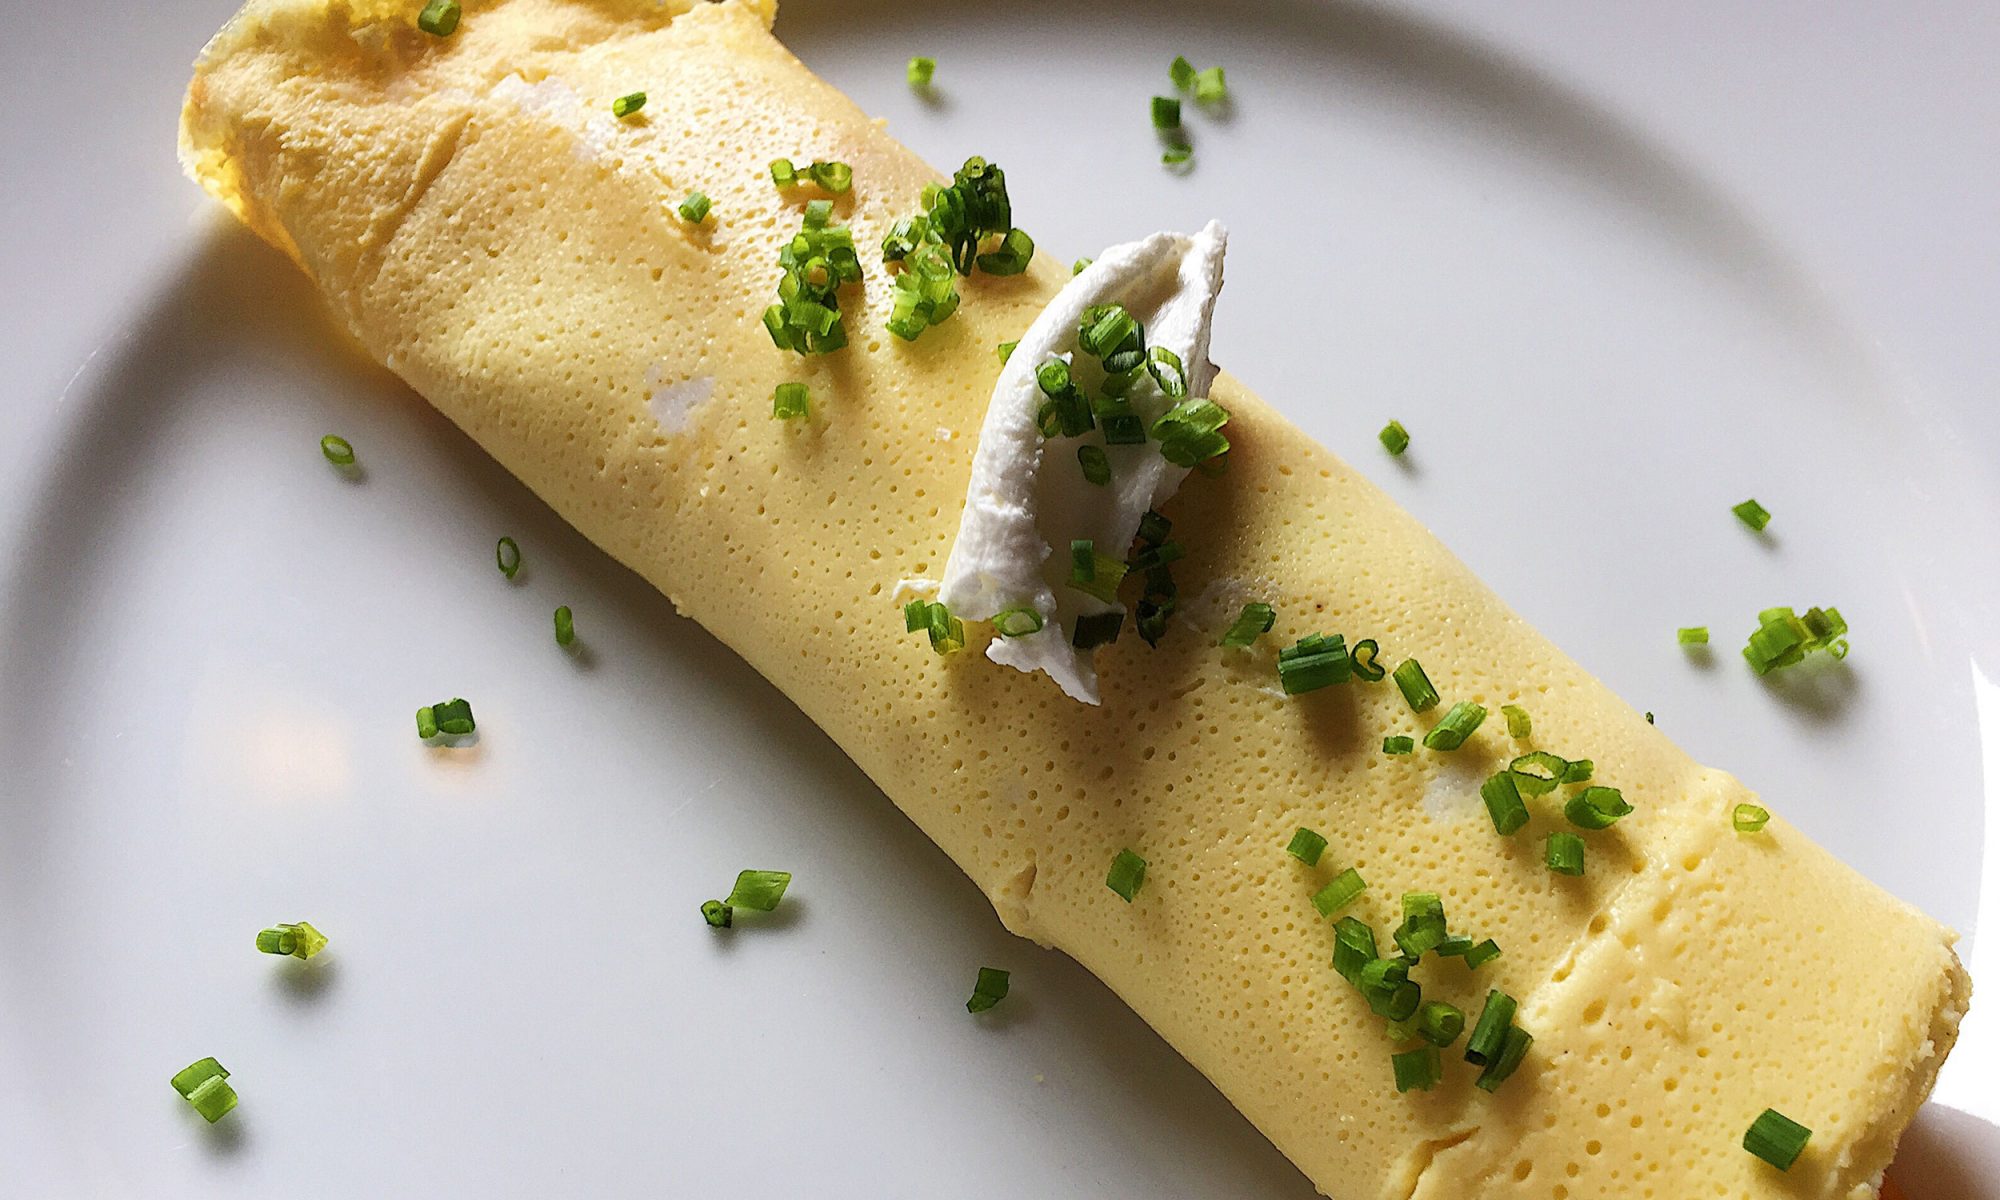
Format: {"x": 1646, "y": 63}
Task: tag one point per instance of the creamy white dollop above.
{"x": 1028, "y": 495}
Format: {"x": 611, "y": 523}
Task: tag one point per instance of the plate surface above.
{"x": 1614, "y": 274}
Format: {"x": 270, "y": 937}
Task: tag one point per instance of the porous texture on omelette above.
{"x": 493, "y": 234}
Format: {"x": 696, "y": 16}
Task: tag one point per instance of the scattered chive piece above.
{"x": 1128, "y": 874}
{"x": 1537, "y": 772}
{"x": 1385, "y": 983}
{"x": 1096, "y": 467}
{"x": 1306, "y": 846}
{"x": 1166, "y": 112}
{"x": 717, "y": 914}
{"x": 791, "y": 400}
{"x": 694, "y": 209}
{"x": 439, "y": 19}
{"x": 1416, "y": 686}
{"x": 1362, "y": 659}
{"x": 204, "y": 1085}
{"x": 1209, "y": 86}
{"x": 565, "y": 626}
{"x": 507, "y": 556}
{"x": 1454, "y": 947}
{"x": 1174, "y": 156}
{"x": 1353, "y": 948}
{"x": 1439, "y": 1023}
{"x": 1316, "y": 661}
{"x": 1398, "y": 744}
{"x": 1076, "y": 268}
{"x": 1423, "y": 927}
{"x": 1100, "y": 579}
{"x": 947, "y": 633}
{"x": 920, "y": 71}
{"x": 625, "y": 106}
{"x": 1692, "y": 635}
{"x": 1181, "y": 71}
{"x": 1489, "y": 1034}
{"x": 1154, "y": 528}
{"x": 1519, "y": 724}
{"x": 1190, "y": 434}
{"x": 759, "y": 890}
{"x": 1417, "y": 1070}
{"x": 1784, "y": 638}
{"x": 1578, "y": 771}
{"x": 1564, "y": 853}
{"x": 1773, "y": 1137}
{"x": 1252, "y": 623}
{"x": 988, "y": 990}
{"x": 1512, "y": 1051}
{"x": 1596, "y": 808}
{"x": 1458, "y": 723}
{"x": 1485, "y": 952}
{"x": 1340, "y": 893}
{"x": 452, "y": 716}
{"x": 1096, "y": 629}
{"x": 1017, "y": 622}
{"x": 1395, "y": 438}
{"x": 783, "y": 173}
{"x": 1649, "y": 716}
{"x": 1752, "y": 514}
{"x": 300, "y": 940}
{"x": 1749, "y": 818}
{"x": 1005, "y": 350}
{"x": 337, "y": 451}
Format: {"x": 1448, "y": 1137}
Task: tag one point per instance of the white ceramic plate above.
{"x": 1615, "y": 270}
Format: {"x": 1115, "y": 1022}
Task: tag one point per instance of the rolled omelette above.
{"x": 489, "y": 230}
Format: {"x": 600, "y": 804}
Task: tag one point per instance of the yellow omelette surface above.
{"x": 490, "y": 231}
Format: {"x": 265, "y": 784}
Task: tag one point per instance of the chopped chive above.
{"x": 1306, "y": 846}
{"x": 1423, "y": 927}
{"x": 1017, "y": 622}
{"x": 1174, "y": 156}
{"x": 1252, "y": 623}
{"x": 1439, "y": 1023}
{"x": 1168, "y": 371}
{"x": 1749, "y": 818}
{"x": 835, "y": 177}
{"x": 1096, "y": 466}
{"x": 1385, "y": 983}
{"x": 947, "y": 633}
{"x": 920, "y": 71}
{"x": 1395, "y": 439}
{"x": 1512, "y": 1050}
{"x": 1692, "y": 635}
{"x": 1454, "y": 947}
{"x": 1005, "y": 350}
{"x": 1537, "y": 772}
{"x": 1209, "y": 86}
{"x": 337, "y": 450}
{"x": 1649, "y": 716}
{"x": 1564, "y": 853}
{"x": 1519, "y": 724}
{"x": 1417, "y": 1070}
{"x": 1485, "y": 952}
{"x": 1362, "y": 659}
{"x": 1190, "y": 432}
{"x": 1339, "y": 893}
{"x": 1181, "y": 71}
{"x": 452, "y": 717}
{"x": 1596, "y": 807}
{"x": 783, "y": 173}
{"x": 1153, "y": 528}
{"x": 1773, "y": 1137}
{"x": 1159, "y": 555}
{"x": 507, "y": 556}
{"x": 694, "y": 209}
{"x": 625, "y": 106}
{"x": 1458, "y": 723}
{"x": 1353, "y": 948}
{"x": 1127, "y": 876}
{"x": 204, "y": 1085}
{"x": 1314, "y": 662}
{"x": 717, "y": 914}
{"x": 1489, "y": 1034}
{"x": 1016, "y": 250}
{"x": 1752, "y": 514}
{"x": 565, "y": 626}
{"x": 1416, "y": 686}
{"x": 1166, "y": 112}
{"x": 790, "y": 401}
{"x": 988, "y": 990}
{"x": 1784, "y": 638}
{"x": 300, "y": 940}
{"x": 1398, "y": 744}
{"x": 1578, "y": 771}
{"x": 759, "y": 890}
{"x": 439, "y": 19}
{"x": 1076, "y": 268}
{"x": 1101, "y": 579}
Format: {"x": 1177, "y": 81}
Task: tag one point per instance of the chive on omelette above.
{"x": 1688, "y": 961}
